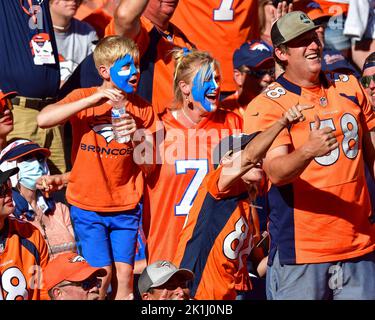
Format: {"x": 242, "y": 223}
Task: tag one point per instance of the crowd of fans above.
{"x": 248, "y": 172}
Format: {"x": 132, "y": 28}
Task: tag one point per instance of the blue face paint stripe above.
{"x": 203, "y": 84}
{"x": 122, "y": 80}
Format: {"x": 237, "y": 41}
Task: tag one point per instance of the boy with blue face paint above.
{"x": 104, "y": 186}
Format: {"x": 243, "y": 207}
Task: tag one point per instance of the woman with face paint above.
{"x": 105, "y": 184}
{"x": 192, "y": 127}
{"x": 50, "y": 217}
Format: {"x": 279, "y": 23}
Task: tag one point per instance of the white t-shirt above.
{"x": 74, "y": 45}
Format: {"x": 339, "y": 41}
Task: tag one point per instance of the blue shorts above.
{"x": 352, "y": 279}
{"x": 106, "y": 237}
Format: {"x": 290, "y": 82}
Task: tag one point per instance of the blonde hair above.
{"x": 112, "y": 48}
{"x": 187, "y": 64}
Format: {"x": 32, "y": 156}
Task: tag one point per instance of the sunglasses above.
{"x": 85, "y": 284}
{"x": 5, "y": 188}
{"x": 4, "y": 105}
{"x": 366, "y": 80}
{"x": 261, "y": 73}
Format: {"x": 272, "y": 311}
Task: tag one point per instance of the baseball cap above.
{"x": 20, "y": 148}
{"x": 71, "y": 267}
{"x": 312, "y": 9}
{"x": 333, "y": 60}
{"x": 369, "y": 62}
{"x": 5, "y": 175}
{"x": 8, "y": 95}
{"x": 252, "y": 54}
{"x": 231, "y": 143}
{"x": 291, "y": 26}
{"x": 158, "y": 273}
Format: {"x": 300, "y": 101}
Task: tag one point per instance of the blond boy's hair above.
{"x": 112, "y": 48}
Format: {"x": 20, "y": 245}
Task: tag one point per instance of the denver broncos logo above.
{"x": 102, "y": 125}
{"x": 259, "y": 46}
{"x": 313, "y": 5}
{"x": 77, "y": 259}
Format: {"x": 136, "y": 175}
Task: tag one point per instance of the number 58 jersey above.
{"x": 323, "y": 215}
{"x": 184, "y": 157}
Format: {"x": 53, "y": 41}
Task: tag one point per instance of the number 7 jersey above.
{"x": 323, "y": 215}
{"x": 184, "y": 159}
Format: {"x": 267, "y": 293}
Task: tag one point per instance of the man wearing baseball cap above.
{"x": 162, "y": 280}
{"x": 322, "y": 241}
{"x": 70, "y": 277}
{"x": 333, "y": 60}
{"x": 254, "y": 70}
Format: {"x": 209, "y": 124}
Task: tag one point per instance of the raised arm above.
{"x": 127, "y": 17}
{"x": 255, "y": 151}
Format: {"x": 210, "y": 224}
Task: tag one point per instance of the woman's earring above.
{"x": 189, "y": 103}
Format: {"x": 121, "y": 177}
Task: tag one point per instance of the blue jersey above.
{"x": 18, "y": 71}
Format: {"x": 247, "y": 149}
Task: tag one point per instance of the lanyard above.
{"x": 34, "y": 12}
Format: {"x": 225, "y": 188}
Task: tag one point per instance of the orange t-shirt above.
{"x": 184, "y": 157}
{"x": 157, "y": 63}
{"x": 216, "y": 241}
{"x": 323, "y": 215}
{"x": 22, "y": 261}
{"x": 231, "y": 103}
{"x": 104, "y": 175}
{"x": 98, "y": 19}
{"x": 219, "y": 27}
{"x": 333, "y": 8}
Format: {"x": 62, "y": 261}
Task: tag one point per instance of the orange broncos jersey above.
{"x": 333, "y": 8}
{"x": 231, "y": 103}
{"x": 104, "y": 175}
{"x": 216, "y": 241}
{"x": 157, "y": 63}
{"x": 323, "y": 215}
{"x": 22, "y": 260}
{"x": 185, "y": 155}
{"x": 219, "y": 27}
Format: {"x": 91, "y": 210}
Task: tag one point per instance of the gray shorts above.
{"x": 352, "y": 279}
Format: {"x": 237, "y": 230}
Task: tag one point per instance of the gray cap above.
{"x": 290, "y": 26}
{"x": 158, "y": 273}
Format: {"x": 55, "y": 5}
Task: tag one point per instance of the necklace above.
{"x": 188, "y": 118}
{"x": 62, "y": 28}
{"x": 41, "y": 222}
{"x": 323, "y": 101}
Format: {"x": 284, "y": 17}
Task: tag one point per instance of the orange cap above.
{"x": 7, "y": 95}
{"x": 68, "y": 266}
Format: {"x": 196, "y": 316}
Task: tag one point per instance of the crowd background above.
{"x": 192, "y": 67}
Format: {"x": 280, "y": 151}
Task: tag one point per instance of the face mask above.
{"x": 121, "y": 77}
{"x": 30, "y": 171}
{"x": 200, "y": 90}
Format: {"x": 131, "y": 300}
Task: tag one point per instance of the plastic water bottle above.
{"x": 118, "y": 109}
